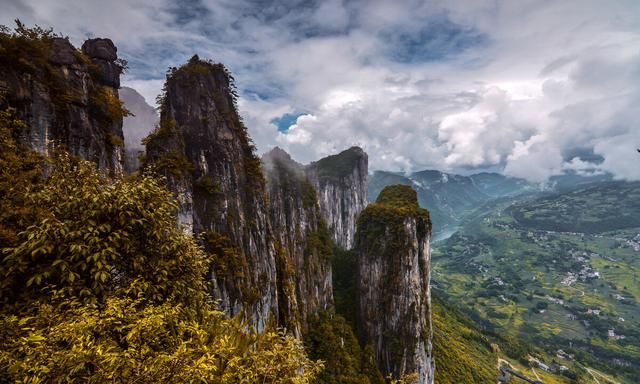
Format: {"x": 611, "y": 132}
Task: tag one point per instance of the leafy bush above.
{"x": 131, "y": 341}
{"x": 107, "y": 288}
{"x": 20, "y": 171}
{"x": 332, "y": 339}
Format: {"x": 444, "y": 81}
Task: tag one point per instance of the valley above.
{"x": 567, "y": 288}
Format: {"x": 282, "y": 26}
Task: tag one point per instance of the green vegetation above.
{"x": 528, "y": 271}
{"x": 166, "y": 144}
{"x": 399, "y": 196}
{"x": 345, "y": 293}
{"x": 103, "y": 286}
{"x": 228, "y": 260}
{"x": 28, "y": 50}
{"x": 387, "y": 215}
{"x": 20, "y": 171}
{"x": 337, "y": 167}
{"x": 175, "y": 161}
{"x": 331, "y": 338}
{"x": 602, "y": 208}
{"x": 331, "y": 335}
{"x": 319, "y": 243}
{"x": 462, "y": 353}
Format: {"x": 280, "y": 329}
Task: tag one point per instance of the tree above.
{"x": 107, "y": 288}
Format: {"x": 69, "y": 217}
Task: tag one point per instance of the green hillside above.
{"x": 601, "y": 208}
{"x": 572, "y": 291}
{"x": 463, "y": 353}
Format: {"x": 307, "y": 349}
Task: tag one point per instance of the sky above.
{"x": 527, "y": 88}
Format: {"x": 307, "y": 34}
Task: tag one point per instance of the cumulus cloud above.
{"x": 529, "y": 88}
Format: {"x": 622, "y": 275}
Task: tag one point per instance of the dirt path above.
{"x": 536, "y": 374}
{"x": 594, "y": 376}
{"x": 604, "y": 378}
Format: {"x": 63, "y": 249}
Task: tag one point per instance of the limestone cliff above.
{"x": 203, "y": 149}
{"x": 304, "y": 246}
{"x": 394, "y": 298}
{"x": 341, "y": 182}
{"x": 67, "y": 97}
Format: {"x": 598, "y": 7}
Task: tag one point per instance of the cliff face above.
{"x": 304, "y": 246}
{"x": 394, "y": 299}
{"x": 136, "y": 127}
{"x": 341, "y": 182}
{"x": 67, "y": 97}
{"x": 203, "y": 148}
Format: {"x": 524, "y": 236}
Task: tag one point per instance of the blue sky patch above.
{"x": 285, "y": 121}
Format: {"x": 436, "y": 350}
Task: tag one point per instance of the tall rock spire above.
{"x": 202, "y": 146}
{"x": 394, "y": 297}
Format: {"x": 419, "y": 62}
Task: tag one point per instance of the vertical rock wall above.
{"x": 304, "y": 246}
{"x": 341, "y": 182}
{"x": 203, "y": 148}
{"x": 394, "y": 298}
{"x": 67, "y": 97}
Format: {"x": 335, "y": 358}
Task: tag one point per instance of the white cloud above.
{"x": 149, "y": 89}
{"x": 453, "y": 85}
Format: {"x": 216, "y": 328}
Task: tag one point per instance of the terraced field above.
{"x": 559, "y": 272}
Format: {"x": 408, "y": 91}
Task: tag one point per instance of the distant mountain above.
{"x": 572, "y": 180}
{"x": 136, "y": 127}
{"x": 449, "y": 197}
{"x": 602, "y": 207}
{"x": 497, "y": 185}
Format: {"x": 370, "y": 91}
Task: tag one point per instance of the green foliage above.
{"x": 174, "y": 163}
{"x": 462, "y": 353}
{"x": 398, "y": 195}
{"x": 345, "y": 278}
{"x": 102, "y": 237}
{"x": 130, "y": 341}
{"x": 167, "y": 128}
{"x": 106, "y": 108}
{"x": 207, "y": 184}
{"x": 331, "y": 338}
{"x": 228, "y": 260}
{"x": 336, "y": 167}
{"x": 319, "y": 242}
{"x": 386, "y": 218}
{"x": 20, "y": 172}
{"x": 26, "y": 49}
{"x": 107, "y": 288}
{"x": 197, "y": 71}
{"x": 601, "y": 208}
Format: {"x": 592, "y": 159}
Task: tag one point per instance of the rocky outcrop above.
{"x": 67, "y": 97}
{"x": 203, "y": 148}
{"x": 304, "y": 246}
{"x": 394, "y": 299}
{"x": 341, "y": 182}
{"x": 137, "y": 126}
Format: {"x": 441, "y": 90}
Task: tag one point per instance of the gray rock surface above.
{"x": 394, "y": 296}
{"x": 304, "y": 246}
{"x": 62, "y": 101}
{"x": 209, "y": 162}
{"x": 341, "y": 182}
